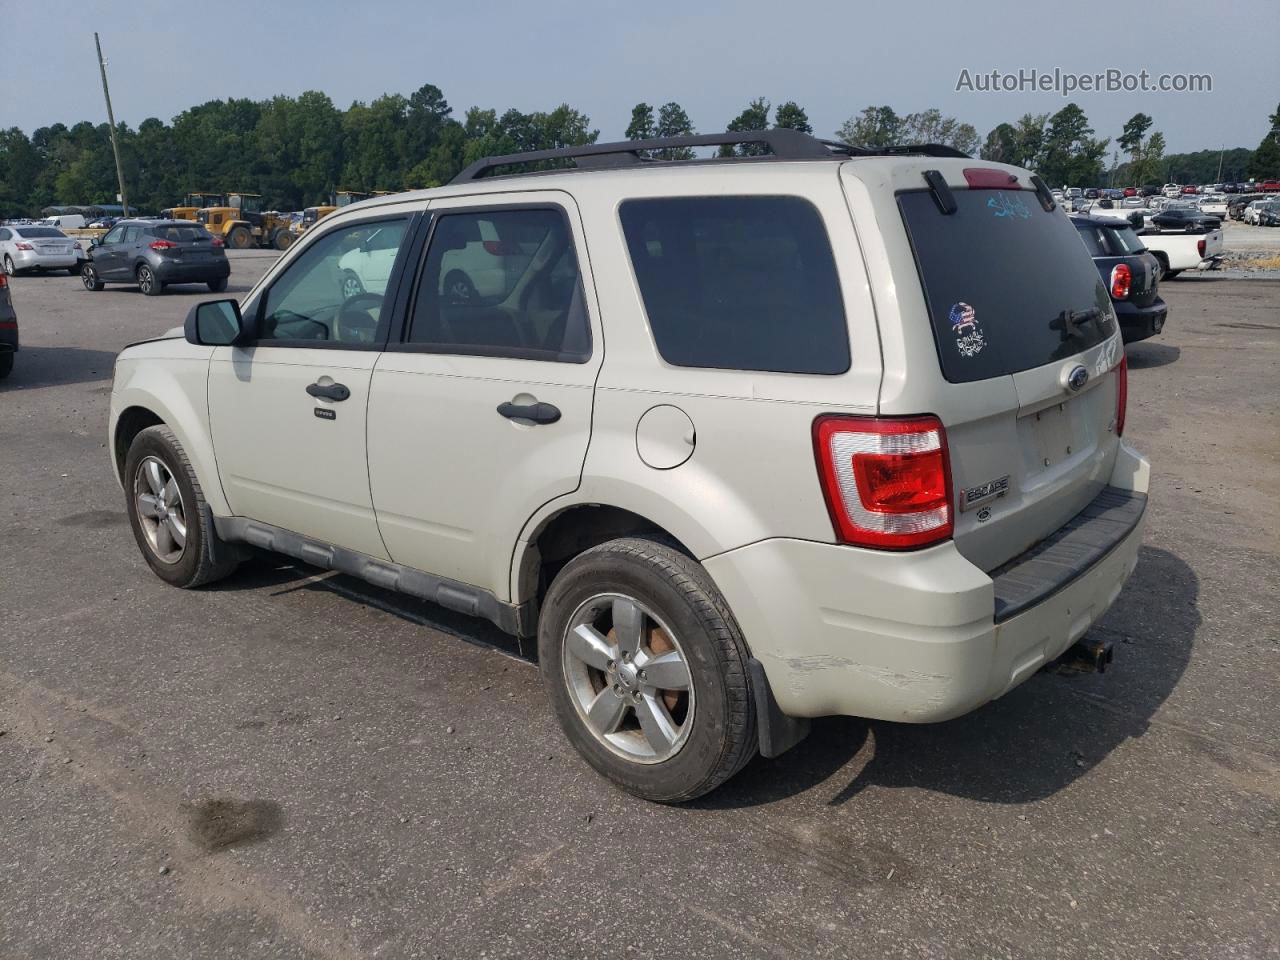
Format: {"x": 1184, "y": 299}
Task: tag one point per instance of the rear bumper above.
{"x": 1139, "y": 323}
{"x": 30, "y": 260}
{"x": 922, "y": 636}
{"x": 199, "y": 272}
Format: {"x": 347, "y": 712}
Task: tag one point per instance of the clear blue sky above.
{"x": 834, "y": 57}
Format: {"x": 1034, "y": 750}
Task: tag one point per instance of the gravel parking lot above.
{"x": 295, "y": 764}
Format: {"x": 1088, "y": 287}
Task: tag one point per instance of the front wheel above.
{"x": 6, "y": 363}
{"x": 283, "y": 240}
{"x": 166, "y": 510}
{"x": 239, "y": 239}
{"x": 89, "y": 277}
{"x": 647, "y": 670}
{"x": 148, "y": 283}
{"x": 9, "y": 267}
{"x": 217, "y": 286}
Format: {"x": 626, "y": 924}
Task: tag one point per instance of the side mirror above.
{"x": 215, "y": 323}
{"x": 94, "y": 241}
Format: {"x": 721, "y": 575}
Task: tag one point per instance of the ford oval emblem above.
{"x": 1077, "y": 378}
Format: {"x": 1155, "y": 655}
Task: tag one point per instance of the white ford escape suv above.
{"x": 741, "y": 441}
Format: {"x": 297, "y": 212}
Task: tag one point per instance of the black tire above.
{"x": 458, "y": 288}
{"x": 679, "y": 591}
{"x": 206, "y": 557}
{"x": 9, "y": 267}
{"x": 1170, "y": 274}
{"x": 239, "y": 239}
{"x": 217, "y": 286}
{"x": 6, "y": 363}
{"x": 147, "y": 281}
{"x": 283, "y": 240}
{"x": 1163, "y": 263}
{"x": 74, "y": 271}
{"x": 89, "y": 277}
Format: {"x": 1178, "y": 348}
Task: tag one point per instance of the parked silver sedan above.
{"x": 43, "y": 248}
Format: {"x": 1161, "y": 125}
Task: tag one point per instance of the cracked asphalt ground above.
{"x": 294, "y": 764}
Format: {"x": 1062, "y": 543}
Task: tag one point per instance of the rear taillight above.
{"x": 988, "y": 178}
{"x": 1122, "y": 394}
{"x": 24, "y": 246}
{"x": 1121, "y": 280}
{"x": 217, "y": 241}
{"x": 162, "y": 244}
{"x": 887, "y": 482}
{"x": 1200, "y": 247}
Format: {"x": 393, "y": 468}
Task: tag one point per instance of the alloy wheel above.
{"x": 629, "y": 678}
{"x": 161, "y": 512}
{"x": 145, "y": 279}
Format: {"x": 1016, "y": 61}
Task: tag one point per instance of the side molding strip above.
{"x": 517, "y": 619}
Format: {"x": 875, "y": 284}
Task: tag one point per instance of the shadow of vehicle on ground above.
{"x": 1028, "y": 745}
{"x": 52, "y": 366}
{"x": 1147, "y": 354}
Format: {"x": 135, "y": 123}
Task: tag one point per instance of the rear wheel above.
{"x": 239, "y": 239}
{"x": 6, "y": 363}
{"x": 647, "y": 670}
{"x": 217, "y": 286}
{"x": 74, "y": 271}
{"x": 166, "y": 510}
{"x": 89, "y": 277}
{"x": 147, "y": 281}
{"x": 1170, "y": 274}
{"x": 283, "y": 240}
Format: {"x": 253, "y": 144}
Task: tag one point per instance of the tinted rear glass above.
{"x": 1008, "y": 284}
{"x": 180, "y": 234}
{"x": 38, "y": 232}
{"x": 739, "y": 283}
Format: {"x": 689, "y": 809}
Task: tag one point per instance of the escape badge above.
{"x": 965, "y": 328}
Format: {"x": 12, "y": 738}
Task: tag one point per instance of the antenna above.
{"x": 111, "y": 119}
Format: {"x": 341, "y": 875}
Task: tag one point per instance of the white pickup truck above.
{"x": 1175, "y": 249}
{"x": 1178, "y": 251}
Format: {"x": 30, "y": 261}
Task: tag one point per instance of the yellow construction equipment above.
{"x": 242, "y": 223}
{"x": 343, "y": 198}
{"x": 193, "y": 201}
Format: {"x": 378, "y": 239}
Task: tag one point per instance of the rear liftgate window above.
{"x": 1008, "y": 284}
{"x": 738, "y": 283}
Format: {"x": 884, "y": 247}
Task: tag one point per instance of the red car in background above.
{"x": 1271, "y": 186}
{"x": 1190, "y": 189}
{"x": 1130, "y": 191}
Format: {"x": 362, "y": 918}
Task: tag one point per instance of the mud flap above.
{"x": 778, "y": 732}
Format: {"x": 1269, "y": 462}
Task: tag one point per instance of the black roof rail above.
{"x": 783, "y": 144}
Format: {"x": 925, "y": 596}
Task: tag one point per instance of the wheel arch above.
{"x": 553, "y": 539}
{"x": 175, "y": 397}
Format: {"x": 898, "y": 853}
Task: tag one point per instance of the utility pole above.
{"x": 1220, "y": 153}
{"x": 111, "y": 119}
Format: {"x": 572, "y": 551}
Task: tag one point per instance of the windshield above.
{"x": 1009, "y": 285}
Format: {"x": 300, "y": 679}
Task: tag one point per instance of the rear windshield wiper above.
{"x": 1068, "y": 322}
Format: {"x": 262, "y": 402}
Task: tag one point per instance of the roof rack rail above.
{"x": 783, "y": 144}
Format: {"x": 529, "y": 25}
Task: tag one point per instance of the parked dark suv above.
{"x": 154, "y": 254}
{"x": 1130, "y": 273}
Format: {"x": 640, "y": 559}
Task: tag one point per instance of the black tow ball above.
{"x": 1085, "y": 656}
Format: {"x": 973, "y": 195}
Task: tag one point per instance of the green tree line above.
{"x": 296, "y": 151}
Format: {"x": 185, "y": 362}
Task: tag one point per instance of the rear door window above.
{"x": 1008, "y": 284}
{"x": 180, "y": 234}
{"x": 738, "y": 283}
